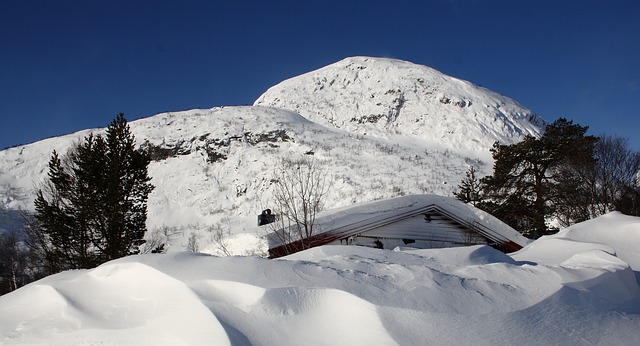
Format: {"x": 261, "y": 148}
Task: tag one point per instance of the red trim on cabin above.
{"x": 299, "y": 245}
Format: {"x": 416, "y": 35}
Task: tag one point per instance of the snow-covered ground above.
{"x": 574, "y": 288}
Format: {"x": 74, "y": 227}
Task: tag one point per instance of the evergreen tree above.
{"x": 528, "y": 177}
{"x": 94, "y": 206}
{"x": 470, "y": 189}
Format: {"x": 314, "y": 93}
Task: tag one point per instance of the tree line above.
{"x": 561, "y": 178}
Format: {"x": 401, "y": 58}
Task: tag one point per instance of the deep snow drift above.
{"x": 573, "y": 288}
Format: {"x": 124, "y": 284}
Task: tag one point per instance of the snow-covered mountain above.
{"x": 388, "y": 97}
{"x": 380, "y": 128}
{"x": 213, "y": 168}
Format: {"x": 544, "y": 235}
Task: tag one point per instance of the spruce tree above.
{"x": 94, "y": 206}
{"x": 470, "y": 189}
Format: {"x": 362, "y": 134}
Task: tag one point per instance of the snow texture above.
{"x": 388, "y": 97}
{"x": 380, "y": 128}
{"x": 569, "y": 289}
{"x": 368, "y": 213}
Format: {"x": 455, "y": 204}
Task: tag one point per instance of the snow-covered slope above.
{"x": 339, "y": 295}
{"x": 213, "y": 167}
{"x": 388, "y": 97}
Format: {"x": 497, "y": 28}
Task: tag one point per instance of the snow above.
{"x": 389, "y": 97}
{"x": 576, "y": 287}
{"x": 420, "y": 145}
{"x": 353, "y": 217}
{"x": 415, "y": 131}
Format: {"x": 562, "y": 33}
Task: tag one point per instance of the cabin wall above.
{"x": 424, "y": 232}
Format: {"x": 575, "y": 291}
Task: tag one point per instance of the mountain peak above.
{"x": 386, "y": 97}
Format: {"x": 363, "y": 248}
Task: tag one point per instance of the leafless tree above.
{"x": 220, "y": 238}
{"x": 470, "y": 237}
{"x": 192, "y": 244}
{"x": 155, "y": 241}
{"x": 300, "y": 188}
{"x": 15, "y": 270}
{"x": 12, "y": 262}
{"x": 616, "y": 175}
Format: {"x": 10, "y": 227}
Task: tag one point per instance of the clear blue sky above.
{"x": 69, "y": 65}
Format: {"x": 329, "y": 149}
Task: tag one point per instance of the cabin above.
{"x": 416, "y": 221}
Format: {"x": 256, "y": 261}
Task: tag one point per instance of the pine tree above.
{"x": 526, "y": 187}
{"x": 470, "y": 189}
{"x": 94, "y": 206}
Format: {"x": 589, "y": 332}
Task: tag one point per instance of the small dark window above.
{"x": 408, "y": 241}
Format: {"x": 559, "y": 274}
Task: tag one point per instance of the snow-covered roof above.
{"x": 347, "y": 221}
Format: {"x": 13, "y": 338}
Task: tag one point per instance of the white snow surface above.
{"x": 388, "y": 97}
{"x": 575, "y": 288}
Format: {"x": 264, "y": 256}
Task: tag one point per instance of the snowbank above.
{"x": 557, "y": 290}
